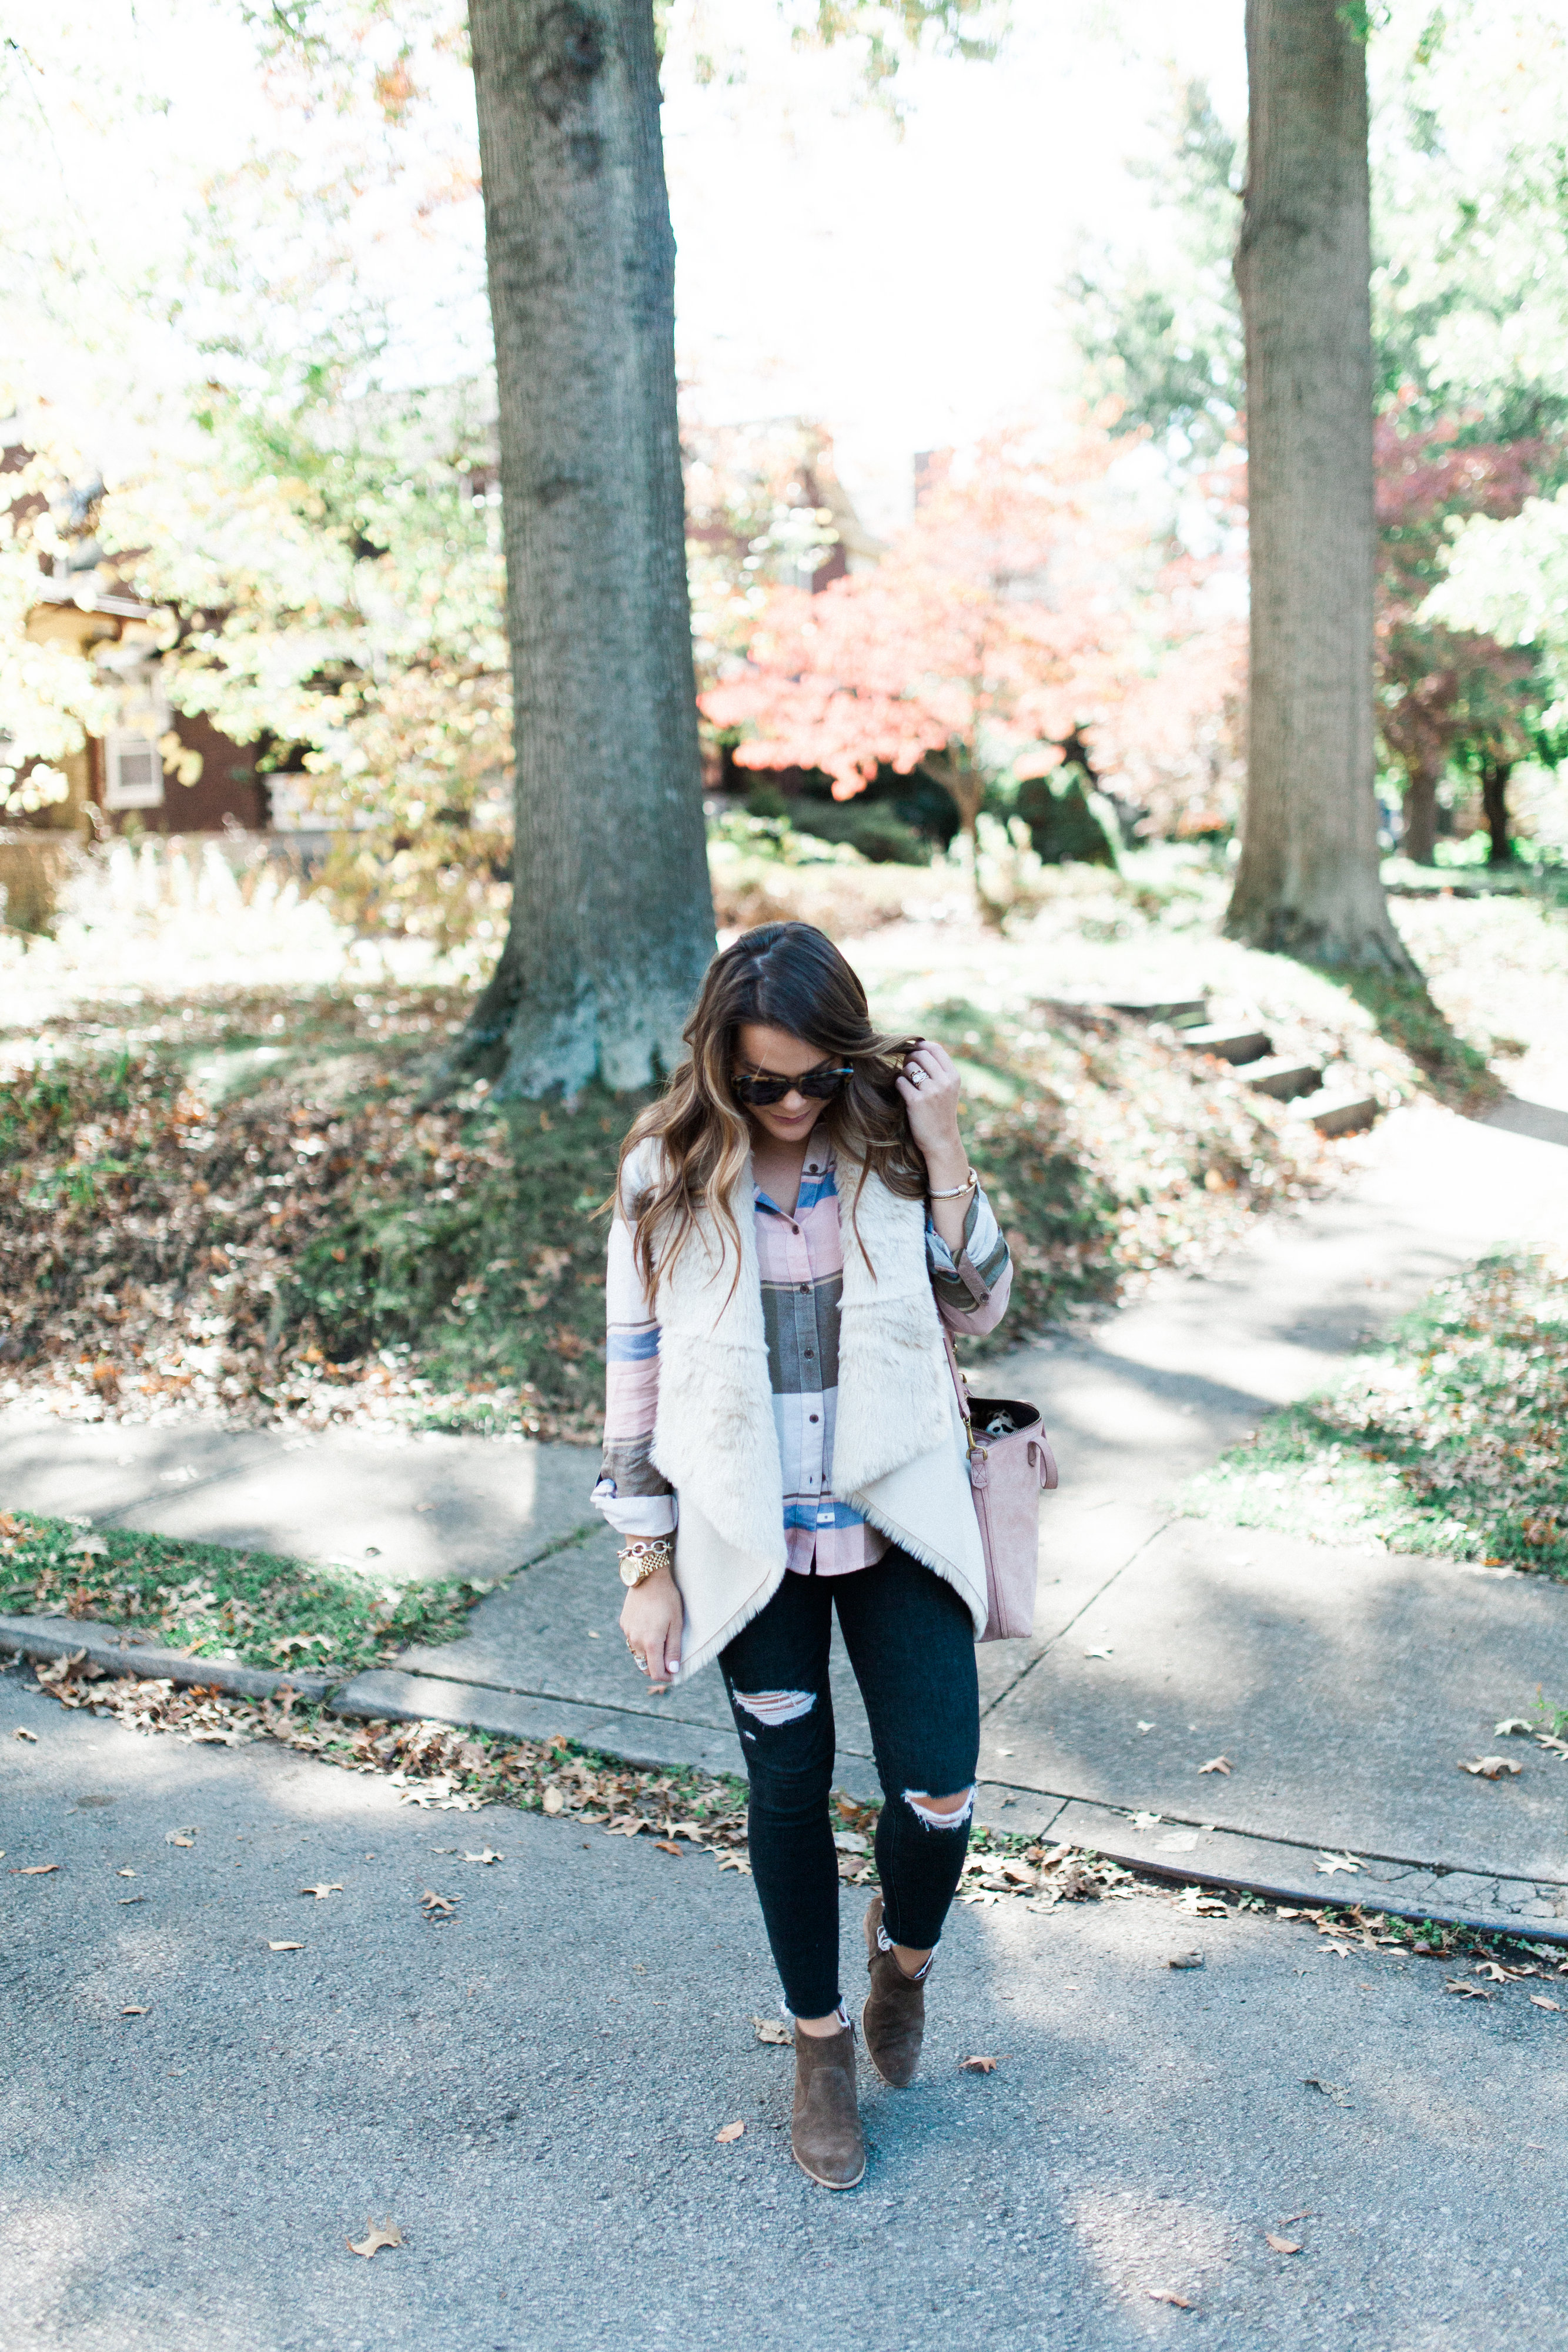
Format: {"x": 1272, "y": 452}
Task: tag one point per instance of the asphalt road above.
{"x": 531, "y": 2092}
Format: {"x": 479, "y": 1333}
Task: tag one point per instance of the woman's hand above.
{"x": 652, "y": 1618}
{"x": 931, "y": 1087}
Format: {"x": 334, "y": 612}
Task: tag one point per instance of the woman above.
{"x": 797, "y": 1222}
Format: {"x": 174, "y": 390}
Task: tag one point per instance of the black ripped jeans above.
{"x": 912, "y": 1646}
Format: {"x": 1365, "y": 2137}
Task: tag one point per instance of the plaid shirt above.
{"x": 800, "y": 1260}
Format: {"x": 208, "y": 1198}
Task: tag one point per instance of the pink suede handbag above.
{"x": 1010, "y": 1461}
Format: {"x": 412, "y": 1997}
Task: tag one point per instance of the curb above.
{"x": 107, "y": 1646}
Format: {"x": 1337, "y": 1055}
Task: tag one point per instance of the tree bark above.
{"x": 1495, "y": 774}
{"x": 1307, "y": 881}
{"x": 612, "y": 922}
{"x": 1419, "y": 831}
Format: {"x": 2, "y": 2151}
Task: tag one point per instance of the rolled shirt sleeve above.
{"x": 973, "y": 1287}
{"x": 633, "y": 1497}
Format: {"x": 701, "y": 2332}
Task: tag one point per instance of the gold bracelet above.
{"x": 643, "y": 1557}
{"x": 956, "y": 1192}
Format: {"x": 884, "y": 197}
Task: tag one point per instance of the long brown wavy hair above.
{"x": 786, "y": 976}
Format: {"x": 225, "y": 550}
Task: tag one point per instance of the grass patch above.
{"x": 1456, "y": 1071}
{"x": 1449, "y": 1440}
{"x": 256, "y": 1607}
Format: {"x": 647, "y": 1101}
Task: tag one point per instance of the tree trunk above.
{"x": 1495, "y": 774}
{"x": 612, "y": 920}
{"x": 1307, "y": 881}
{"x": 1419, "y": 831}
{"x": 965, "y": 787}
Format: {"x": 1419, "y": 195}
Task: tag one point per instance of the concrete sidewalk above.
{"x": 192, "y": 2123}
{"x": 1343, "y": 1687}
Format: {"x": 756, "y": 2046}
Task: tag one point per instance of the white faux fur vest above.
{"x": 898, "y": 1441}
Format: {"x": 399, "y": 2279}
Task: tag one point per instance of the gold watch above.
{"x": 643, "y": 1559}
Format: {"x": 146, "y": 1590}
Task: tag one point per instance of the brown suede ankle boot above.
{"x": 893, "y": 2018}
{"x": 825, "y": 2134}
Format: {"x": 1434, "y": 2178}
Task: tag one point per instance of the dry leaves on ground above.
{"x": 130, "y": 2010}
{"x": 1185, "y": 1960}
{"x": 375, "y": 2238}
{"x": 283, "y": 1946}
{"x": 1490, "y": 1767}
{"x": 1541, "y": 2001}
{"x": 774, "y": 2032}
{"x": 22, "y": 1732}
{"x": 438, "y": 1907}
{"x": 1216, "y": 1764}
{"x": 35, "y": 1870}
{"x": 978, "y": 2065}
{"x": 488, "y": 1855}
{"x": 730, "y": 2132}
{"x": 333, "y": 1887}
{"x": 1330, "y": 1863}
{"x": 1282, "y": 2245}
{"x": 1167, "y": 2295}
{"x": 1201, "y": 1904}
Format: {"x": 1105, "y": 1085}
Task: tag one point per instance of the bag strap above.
{"x": 961, "y": 1392}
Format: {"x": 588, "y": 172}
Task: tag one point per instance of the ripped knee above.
{"x": 773, "y": 1707}
{"x": 941, "y": 1812}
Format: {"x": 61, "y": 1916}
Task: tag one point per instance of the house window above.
{"x": 132, "y": 773}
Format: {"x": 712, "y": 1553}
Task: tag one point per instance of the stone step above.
{"x": 1284, "y": 1078}
{"x": 1181, "y": 1011}
{"x": 1337, "y": 1113}
{"x": 1231, "y": 1044}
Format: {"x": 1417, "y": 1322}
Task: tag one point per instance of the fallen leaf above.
{"x": 1145, "y": 1726}
{"x": 1541, "y": 2000}
{"x": 1329, "y": 1944}
{"x": 730, "y": 2132}
{"x": 35, "y": 1870}
{"x": 285, "y": 1948}
{"x": 489, "y": 1854}
{"x": 1103, "y": 1653}
{"x": 850, "y": 1842}
{"x": 1334, "y": 2091}
{"x": 437, "y": 1907}
{"x": 1490, "y": 1767}
{"x": 22, "y": 1732}
{"x": 553, "y": 1802}
{"x": 1200, "y": 1903}
{"x": 978, "y": 2065}
{"x": 124, "y": 1899}
{"x": 1466, "y": 1991}
{"x": 125, "y": 1873}
{"x": 1185, "y": 1960}
{"x": 774, "y": 2032}
{"x": 1329, "y": 1862}
{"x": 1167, "y": 2295}
{"x": 131, "y": 2011}
{"x": 1497, "y": 1974}
{"x": 1282, "y": 2245}
{"x": 1145, "y": 1820}
{"x": 1512, "y": 1723}
{"x": 389, "y": 2234}
{"x": 668, "y": 1845}
{"x": 180, "y": 1837}
{"x": 328, "y": 1886}
{"x": 1216, "y": 1764}
{"x": 1557, "y": 1747}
